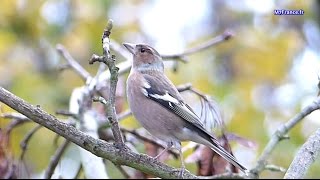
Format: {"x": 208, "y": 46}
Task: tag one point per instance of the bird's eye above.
{"x": 142, "y": 50}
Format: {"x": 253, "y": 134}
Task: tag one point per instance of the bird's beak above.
{"x": 130, "y": 47}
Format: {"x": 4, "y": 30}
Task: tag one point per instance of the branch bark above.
{"x": 304, "y": 158}
{"x": 98, "y": 147}
{"x": 279, "y": 134}
{"x": 109, "y": 60}
{"x": 73, "y": 63}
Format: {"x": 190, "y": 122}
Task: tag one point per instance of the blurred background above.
{"x": 260, "y": 78}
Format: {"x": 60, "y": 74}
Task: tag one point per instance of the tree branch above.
{"x": 24, "y": 142}
{"x": 18, "y": 119}
{"x": 17, "y": 116}
{"x": 214, "y": 41}
{"x": 109, "y": 60}
{"x": 55, "y": 159}
{"x": 275, "y": 168}
{"x": 78, "y": 172}
{"x": 73, "y": 63}
{"x": 124, "y": 115}
{"x": 279, "y": 134}
{"x": 98, "y": 147}
{"x": 66, "y": 113}
{"x": 123, "y": 172}
{"x": 304, "y": 158}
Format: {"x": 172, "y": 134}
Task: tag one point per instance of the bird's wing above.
{"x": 161, "y": 90}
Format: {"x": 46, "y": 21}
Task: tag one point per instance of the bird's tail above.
{"x": 215, "y": 146}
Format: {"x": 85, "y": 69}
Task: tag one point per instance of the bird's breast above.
{"x": 156, "y": 119}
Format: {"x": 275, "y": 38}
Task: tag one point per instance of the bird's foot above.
{"x": 156, "y": 158}
{"x": 162, "y": 152}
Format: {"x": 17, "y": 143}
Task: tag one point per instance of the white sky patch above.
{"x": 286, "y": 97}
{"x": 311, "y": 122}
{"x": 165, "y": 22}
{"x": 265, "y": 6}
{"x": 305, "y": 71}
{"x": 55, "y": 12}
{"x": 260, "y": 7}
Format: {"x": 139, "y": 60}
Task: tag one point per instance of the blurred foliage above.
{"x": 262, "y": 53}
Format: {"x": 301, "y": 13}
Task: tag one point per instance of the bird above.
{"x": 158, "y": 106}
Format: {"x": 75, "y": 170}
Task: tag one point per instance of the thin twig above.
{"x": 304, "y": 158}
{"x": 109, "y": 60}
{"x": 66, "y": 113}
{"x": 13, "y": 115}
{"x": 24, "y": 142}
{"x": 73, "y": 63}
{"x": 275, "y": 168}
{"x": 55, "y": 159}
{"x": 184, "y": 87}
{"x": 208, "y": 105}
{"x": 78, "y": 172}
{"x": 123, "y": 172}
{"x": 63, "y": 67}
{"x": 17, "y": 120}
{"x": 216, "y": 40}
{"x": 279, "y": 134}
{"x": 124, "y": 115}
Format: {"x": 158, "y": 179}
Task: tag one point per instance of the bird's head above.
{"x": 145, "y": 57}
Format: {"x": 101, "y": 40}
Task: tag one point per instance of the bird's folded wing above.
{"x": 162, "y": 91}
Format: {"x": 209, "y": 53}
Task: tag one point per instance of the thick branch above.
{"x": 98, "y": 147}
{"x": 304, "y": 158}
{"x": 280, "y": 134}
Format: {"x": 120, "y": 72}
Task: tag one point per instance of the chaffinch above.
{"x": 157, "y": 105}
